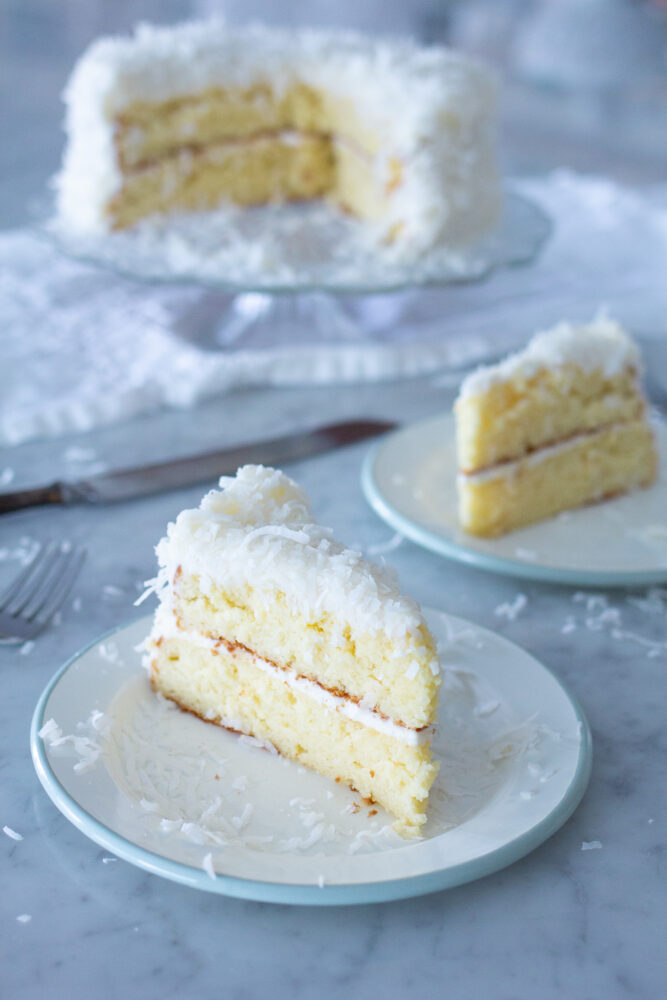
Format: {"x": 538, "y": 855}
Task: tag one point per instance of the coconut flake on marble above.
{"x": 383, "y": 547}
{"x": 512, "y": 609}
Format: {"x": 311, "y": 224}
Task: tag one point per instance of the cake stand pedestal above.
{"x": 296, "y": 274}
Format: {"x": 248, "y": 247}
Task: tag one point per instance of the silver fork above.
{"x": 32, "y": 599}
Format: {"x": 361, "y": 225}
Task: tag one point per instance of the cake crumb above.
{"x": 485, "y": 709}
{"x": 526, "y": 554}
{"x": 591, "y": 845}
{"x": 512, "y": 610}
{"x": 207, "y": 865}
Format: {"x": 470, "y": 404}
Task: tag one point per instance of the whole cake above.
{"x": 561, "y": 424}
{"x": 190, "y": 116}
{"x": 269, "y": 627}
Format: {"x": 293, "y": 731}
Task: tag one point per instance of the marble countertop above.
{"x": 563, "y": 922}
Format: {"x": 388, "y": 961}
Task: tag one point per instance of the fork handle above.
{"x": 19, "y": 499}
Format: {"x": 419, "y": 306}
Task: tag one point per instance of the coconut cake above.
{"x": 193, "y": 115}
{"x": 268, "y": 626}
{"x": 556, "y": 426}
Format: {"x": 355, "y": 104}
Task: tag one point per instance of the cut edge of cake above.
{"x": 263, "y": 568}
{"x": 434, "y": 164}
{"x": 558, "y": 425}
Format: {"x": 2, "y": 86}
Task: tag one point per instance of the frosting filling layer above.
{"x": 166, "y": 627}
{"x": 287, "y": 137}
{"x": 505, "y": 469}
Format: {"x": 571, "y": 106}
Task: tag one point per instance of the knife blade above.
{"x": 125, "y": 484}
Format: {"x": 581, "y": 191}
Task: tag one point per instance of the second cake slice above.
{"x": 558, "y": 425}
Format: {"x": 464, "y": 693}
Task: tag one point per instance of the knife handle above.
{"x": 19, "y": 499}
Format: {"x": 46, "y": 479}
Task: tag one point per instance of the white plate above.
{"x": 410, "y": 481}
{"x": 162, "y": 789}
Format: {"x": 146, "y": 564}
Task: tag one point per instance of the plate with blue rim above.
{"x": 409, "y": 479}
{"x": 194, "y": 803}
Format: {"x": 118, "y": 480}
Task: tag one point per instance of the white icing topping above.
{"x": 602, "y": 344}
{"x": 165, "y": 626}
{"x": 259, "y": 531}
{"x": 162, "y": 63}
{"x": 430, "y": 106}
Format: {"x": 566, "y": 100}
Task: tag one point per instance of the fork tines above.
{"x": 32, "y": 599}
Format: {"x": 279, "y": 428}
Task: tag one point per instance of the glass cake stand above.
{"x": 293, "y": 273}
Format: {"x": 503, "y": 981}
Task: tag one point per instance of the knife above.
{"x": 110, "y": 487}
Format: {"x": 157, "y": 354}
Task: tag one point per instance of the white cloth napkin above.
{"x": 82, "y": 347}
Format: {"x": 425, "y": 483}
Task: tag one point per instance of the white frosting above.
{"x": 258, "y": 530}
{"x": 602, "y": 344}
{"x": 433, "y": 107}
{"x": 504, "y": 470}
{"x": 165, "y": 626}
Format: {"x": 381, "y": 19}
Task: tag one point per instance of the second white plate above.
{"x": 410, "y": 481}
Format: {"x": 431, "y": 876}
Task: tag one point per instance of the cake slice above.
{"x": 561, "y": 424}
{"x": 269, "y": 627}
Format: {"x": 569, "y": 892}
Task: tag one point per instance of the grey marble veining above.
{"x": 561, "y": 923}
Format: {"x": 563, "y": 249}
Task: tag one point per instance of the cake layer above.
{"x": 360, "y": 187}
{"x": 272, "y": 168}
{"x": 252, "y": 566}
{"x": 145, "y": 132}
{"x": 585, "y": 469}
{"x": 228, "y": 686}
{"x": 569, "y": 379}
{"x": 394, "y": 675}
{"x": 528, "y": 412}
